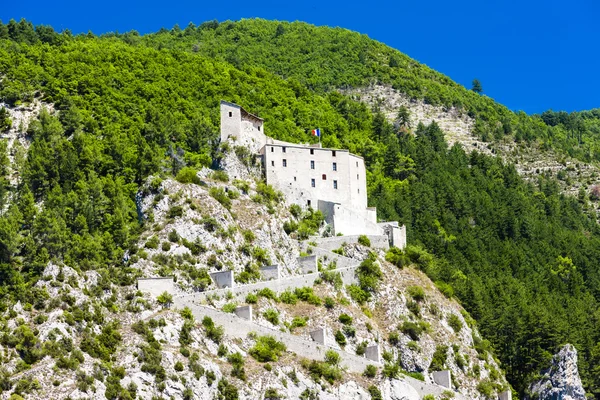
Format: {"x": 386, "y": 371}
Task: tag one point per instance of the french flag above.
{"x": 316, "y": 132}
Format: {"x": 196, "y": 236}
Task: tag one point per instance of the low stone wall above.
{"x": 327, "y": 256}
{"x": 156, "y": 286}
{"x": 427, "y": 388}
{"x": 239, "y": 328}
{"x": 335, "y": 242}
{"x": 240, "y": 292}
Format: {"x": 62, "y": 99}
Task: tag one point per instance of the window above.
{"x": 283, "y": 149}
{"x": 284, "y": 162}
{"x": 335, "y": 166}
{"x": 230, "y": 114}
{"x": 272, "y": 163}
{"x": 356, "y": 176}
{"x": 294, "y": 179}
{"x": 308, "y": 203}
{"x": 312, "y": 151}
{"x": 312, "y": 164}
{"x": 272, "y": 149}
{"x": 357, "y": 163}
{"x": 335, "y": 184}
{"x": 312, "y": 182}
{"x": 324, "y": 177}
{"x": 333, "y": 153}
{"x": 259, "y": 127}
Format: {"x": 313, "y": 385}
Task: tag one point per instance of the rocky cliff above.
{"x": 561, "y": 380}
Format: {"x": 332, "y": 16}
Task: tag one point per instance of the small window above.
{"x": 324, "y": 177}
{"x": 294, "y": 179}
{"x": 272, "y": 149}
{"x": 333, "y": 153}
{"x": 357, "y": 163}
{"x": 335, "y": 184}
{"x": 259, "y": 127}
{"x": 312, "y": 164}
{"x": 358, "y": 190}
{"x": 335, "y": 166}
{"x": 356, "y": 176}
{"x": 230, "y": 114}
{"x": 312, "y": 151}
{"x": 312, "y": 182}
{"x": 284, "y": 162}
{"x": 283, "y": 149}
{"x": 272, "y": 163}
{"x": 308, "y": 203}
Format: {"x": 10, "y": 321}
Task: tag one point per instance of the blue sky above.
{"x": 530, "y": 55}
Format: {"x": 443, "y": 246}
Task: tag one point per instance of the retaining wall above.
{"x": 335, "y": 242}
{"x": 327, "y": 256}
{"x": 223, "y": 279}
{"x": 240, "y": 292}
{"x": 272, "y": 272}
{"x": 156, "y": 286}
{"x": 308, "y": 264}
{"x": 238, "y": 328}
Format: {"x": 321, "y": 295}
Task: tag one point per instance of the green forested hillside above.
{"x": 523, "y": 259}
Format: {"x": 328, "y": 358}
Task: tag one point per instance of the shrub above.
{"x": 290, "y": 226}
{"x": 272, "y": 316}
{"x": 288, "y": 297}
{"x": 178, "y": 366}
{"x": 272, "y": 394}
{"x": 220, "y": 176}
{"x": 361, "y": 348}
{"x": 318, "y": 370}
{"x": 229, "y": 307}
{"x": 340, "y": 338}
{"x": 364, "y": 240}
{"x": 440, "y": 356}
{"x": 166, "y": 246}
{"x": 173, "y": 236}
{"x": 306, "y": 294}
{"x": 187, "y": 175}
{"x": 486, "y": 388}
{"x": 152, "y": 243}
{"x": 414, "y": 329}
{"x": 375, "y": 393}
{"x": 298, "y": 322}
{"x": 370, "y": 371}
{"x": 394, "y": 338}
{"x": 413, "y": 307}
{"x": 391, "y": 371}
{"x": 175, "y": 211}
{"x": 397, "y": 257}
{"x": 165, "y": 299}
{"x": 349, "y": 331}
{"x": 267, "y": 293}
{"x": 329, "y": 303}
{"x": 251, "y": 298}
{"x": 219, "y": 194}
{"x": 248, "y": 235}
{"x": 267, "y": 349}
{"x": 296, "y": 210}
{"x": 345, "y": 319}
{"x": 332, "y": 358}
{"x": 332, "y": 277}
{"x": 446, "y": 289}
{"x": 213, "y": 332}
{"x": 237, "y": 362}
{"x": 417, "y": 293}
{"x": 455, "y": 322}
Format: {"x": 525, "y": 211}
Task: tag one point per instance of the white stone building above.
{"x": 331, "y": 180}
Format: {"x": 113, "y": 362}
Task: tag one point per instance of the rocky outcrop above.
{"x": 561, "y": 380}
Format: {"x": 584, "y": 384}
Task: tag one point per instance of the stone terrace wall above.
{"x": 335, "y": 242}
{"x": 239, "y": 328}
{"x": 278, "y": 286}
{"x": 156, "y": 286}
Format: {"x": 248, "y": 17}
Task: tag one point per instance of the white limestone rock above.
{"x": 561, "y": 380}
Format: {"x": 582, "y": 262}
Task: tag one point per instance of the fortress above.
{"x": 333, "y": 181}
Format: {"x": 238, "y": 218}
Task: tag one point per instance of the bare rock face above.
{"x": 561, "y": 380}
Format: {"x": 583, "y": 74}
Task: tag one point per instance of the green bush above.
{"x": 267, "y": 349}
{"x": 221, "y": 196}
{"x": 416, "y": 292}
{"x": 298, "y": 322}
{"x": 414, "y": 329}
{"x": 267, "y": 293}
{"x": 251, "y": 298}
{"x": 340, "y": 338}
{"x": 173, "y": 236}
{"x": 165, "y": 246}
{"x": 364, "y": 240}
{"x": 178, "y": 366}
{"x": 345, "y": 319}
{"x": 220, "y": 176}
{"x": 174, "y": 212}
{"x": 397, "y": 257}
{"x": 455, "y": 322}
{"x": 440, "y": 356}
{"x": 370, "y": 371}
{"x": 272, "y": 316}
{"x": 213, "y": 332}
{"x": 187, "y": 175}
{"x": 288, "y": 297}
{"x": 229, "y": 307}
{"x": 152, "y": 243}
{"x": 332, "y": 358}
{"x": 375, "y": 393}
{"x": 306, "y": 294}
